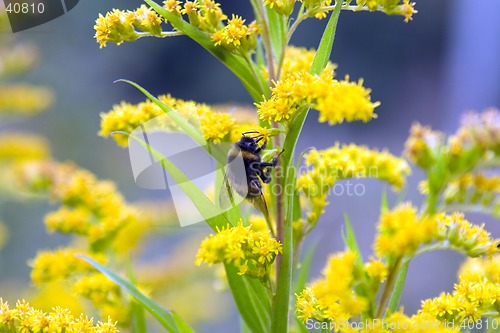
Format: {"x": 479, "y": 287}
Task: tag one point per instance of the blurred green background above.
{"x": 431, "y": 70}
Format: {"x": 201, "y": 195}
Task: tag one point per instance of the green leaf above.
{"x": 277, "y": 32}
{"x": 167, "y": 319}
{"x": 186, "y": 127}
{"x": 250, "y": 295}
{"x": 305, "y": 268}
{"x": 138, "y": 318}
{"x": 300, "y": 325}
{"x": 252, "y": 300}
{"x": 350, "y": 241}
{"x": 236, "y": 64}
{"x": 281, "y": 311}
{"x": 212, "y": 214}
{"x": 137, "y": 312}
{"x": 325, "y": 45}
{"x": 384, "y": 204}
{"x": 398, "y": 288}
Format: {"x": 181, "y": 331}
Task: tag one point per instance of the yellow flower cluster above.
{"x": 454, "y": 164}
{"x": 24, "y": 318}
{"x": 299, "y": 59}
{"x": 215, "y": 126}
{"x": 91, "y": 208}
{"x": 333, "y": 298}
{"x": 284, "y": 7}
{"x": 17, "y": 59}
{"x": 105, "y": 295}
{"x": 401, "y": 231}
{"x": 349, "y": 161}
{"x": 476, "y": 294}
{"x": 336, "y": 101}
{"x": 204, "y": 15}
{"x": 252, "y": 252}
{"x": 476, "y": 141}
{"x": 16, "y": 146}
{"x": 236, "y": 36}
{"x": 481, "y": 130}
{"x": 473, "y": 189}
{"x": 464, "y": 236}
{"x": 24, "y": 100}
{"x": 390, "y": 7}
{"x": 119, "y": 26}
{"x": 59, "y": 264}
{"x": 343, "y": 293}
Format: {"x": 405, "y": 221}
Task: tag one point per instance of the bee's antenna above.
{"x": 251, "y": 132}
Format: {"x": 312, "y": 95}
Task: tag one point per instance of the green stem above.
{"x": 399, "y": 286}
{"x": 260, "y": 13}
{"x": 389, "y": 286}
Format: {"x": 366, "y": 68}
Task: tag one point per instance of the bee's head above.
{"x": 248, "y": 143}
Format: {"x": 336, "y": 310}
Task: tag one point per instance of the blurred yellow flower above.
{"x": 24, "y": 100}
{"x": 59, "y": 264}
{"x": 252, "y": 252}
{"x": 401, "y": 231}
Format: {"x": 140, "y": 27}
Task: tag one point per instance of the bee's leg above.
{"x": 254, "y": 188}
{"x": 272, "y": 164}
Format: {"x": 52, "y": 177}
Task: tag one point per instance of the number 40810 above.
{"x": 25, "y": 8}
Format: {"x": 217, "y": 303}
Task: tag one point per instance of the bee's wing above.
{"x": 226, "y": 197}
{"x": 260, "y": 203}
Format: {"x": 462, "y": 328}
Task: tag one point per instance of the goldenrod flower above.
{"x": 347, "y": 101}
{"x": 126, "y": 117}
{"x": 401, "y": 231}
{"x": 390, "y": 7}
{"x": 252, "y": 252}
{"x": 59, "y": 264}
{"x": 17, "y": 146}
{"x": 24, "y": 318}
{"x": 376, "y": 269}
{"x": 299, "y": 59}
{"x": 216, "y": 126}
{"x": 336, "y": 101}
{"x": 90, "y": 207}
{"x": 236, "y": 36}
{"x": 17, "y": 59}
{"x": 284, "y": 7}
{"x": 119, "y": 26}
{"x": 22, "y": 99}
{"x": 333, "y": 297}
{"x": 464, "y": 236}
{"x": 349, "y": 161}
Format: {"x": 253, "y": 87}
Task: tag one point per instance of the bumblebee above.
{"x": 248, "y": 184}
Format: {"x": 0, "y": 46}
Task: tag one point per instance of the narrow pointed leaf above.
{"x": 281, "y": 311}
{"x": 350, "y": 240}
{"x": 177, "y": 118}
{"x": 277, "y": 32}
{"x": 305, "y": 268}
{"x": 252, "y": 300}
{"x": 398, "y": 288}
{"x": 166, "y": 318}
{"x": 212, "y": 214}
{"x": 326, "y": 44}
